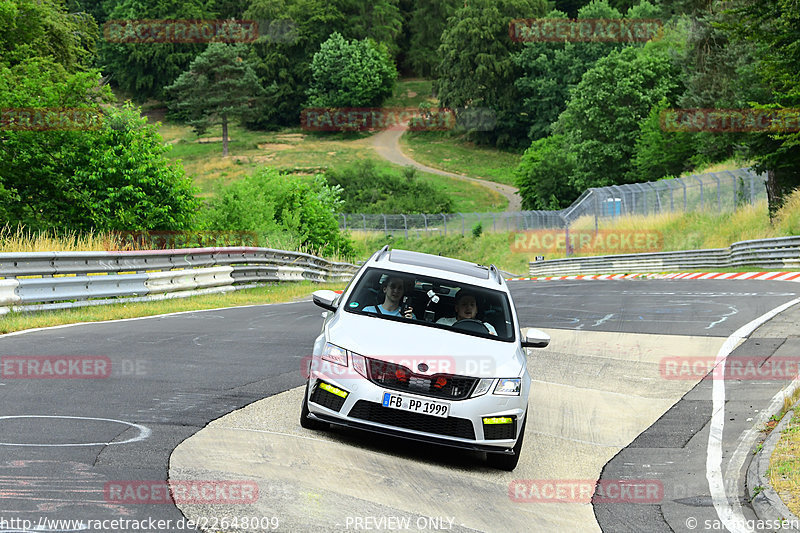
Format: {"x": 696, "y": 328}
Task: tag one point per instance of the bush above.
{"x": 543, "y": 174}
{"x": 351, "y": 74}
{"x": 477, "y": 230}
{"x": 369, "y": 189}
{"x": 285, "y": 211}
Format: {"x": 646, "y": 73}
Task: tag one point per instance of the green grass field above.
{"x": 456, "y": 155}
{"x": 303, "y": 152}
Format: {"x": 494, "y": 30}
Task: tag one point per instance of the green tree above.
{"x": 550, "y": 70}
{"x": 602, "y": 119}
{"x": 660, "y": 153}
{"x": 219, "y": 85}
{"x": 34, "y": 28}
{"x": 543, "y": 174}
{"x": 143, "y": 69}
{"x": 476, "y": 68}
{"x": 773, "y": 28}
{"x": 428, "y": 21}
{"x": 284, "y": 67}
{"x": 351, "y": 74}
{"x": 123, "y": 181}
{"x": 103, "y": 175}
{"x": 379, "y": 20}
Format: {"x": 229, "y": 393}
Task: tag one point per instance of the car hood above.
{"x": 410, "y": 344}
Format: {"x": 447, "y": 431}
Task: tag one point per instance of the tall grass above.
{"x": 20, "y": 239}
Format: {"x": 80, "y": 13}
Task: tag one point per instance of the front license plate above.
{"x": 415, "y": 405}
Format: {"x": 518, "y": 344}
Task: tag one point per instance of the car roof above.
{"x": 465, "y": 271}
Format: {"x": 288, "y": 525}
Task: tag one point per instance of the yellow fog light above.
{"x": 333, "y": 390}
{"x": 498, "y": 420}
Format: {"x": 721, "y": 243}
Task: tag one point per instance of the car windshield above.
{"x": 433, "y": 302}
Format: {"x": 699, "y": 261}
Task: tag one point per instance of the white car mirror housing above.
{"x": 536, "y": 339}
{"x": 325, "y": 299}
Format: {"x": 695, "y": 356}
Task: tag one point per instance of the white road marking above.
{"x": 604, "y": 319}
{"x": 731, "y": 514}
{"x": 724, "y": 317}
{"x": 22, "y": 332}
{"x": 144, "y": 432}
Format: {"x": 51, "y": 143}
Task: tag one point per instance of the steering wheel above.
{"x": 471, "y": 324}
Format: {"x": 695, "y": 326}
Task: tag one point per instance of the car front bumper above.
{"x": 361, "y": 408}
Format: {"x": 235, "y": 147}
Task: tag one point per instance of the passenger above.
{"x": 393, "y": 290}
{"x": 466, "y": 308}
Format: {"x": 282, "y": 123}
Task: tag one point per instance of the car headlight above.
{"x": 508, "y": 386}
{"x": 482, "y": 387}
{"x": 334, "y": 354}
{"x": 359, "y": 363}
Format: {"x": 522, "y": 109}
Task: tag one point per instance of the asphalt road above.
{"x": 65, "y": 440}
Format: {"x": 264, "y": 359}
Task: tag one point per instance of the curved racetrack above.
{"x": 601, "y": 406}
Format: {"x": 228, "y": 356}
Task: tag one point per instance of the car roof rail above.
{"x": 381, "y": 252}
{"x": 496, "y": 274}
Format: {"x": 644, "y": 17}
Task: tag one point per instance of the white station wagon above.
{"x": 423, "y": 347}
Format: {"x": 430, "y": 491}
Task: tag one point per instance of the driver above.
{"x": 393, "y": 289}
{"x": 466, "y": 308}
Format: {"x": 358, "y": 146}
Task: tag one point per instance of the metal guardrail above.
{"x": 71, "y": 279}
{"x": 781, "y": 252}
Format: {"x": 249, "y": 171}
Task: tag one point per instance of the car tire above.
{"x": 306, "y": 422}
{"x": 502, "y": 461}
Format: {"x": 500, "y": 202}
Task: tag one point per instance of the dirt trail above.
{"x": 387, "y": 144}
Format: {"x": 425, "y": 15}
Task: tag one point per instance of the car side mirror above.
{"x": 325, "y": 298}
{"x": 536, "y": 339}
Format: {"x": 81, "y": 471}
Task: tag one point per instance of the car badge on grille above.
{"x": 422, "y": 367}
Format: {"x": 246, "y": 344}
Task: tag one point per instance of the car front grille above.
{"x": 400, "y": 378}
{"x": 375, "y": 412}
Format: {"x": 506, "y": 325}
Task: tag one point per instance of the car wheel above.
{"x": 508, "y": 462}
{"x": 306, "y": 422}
